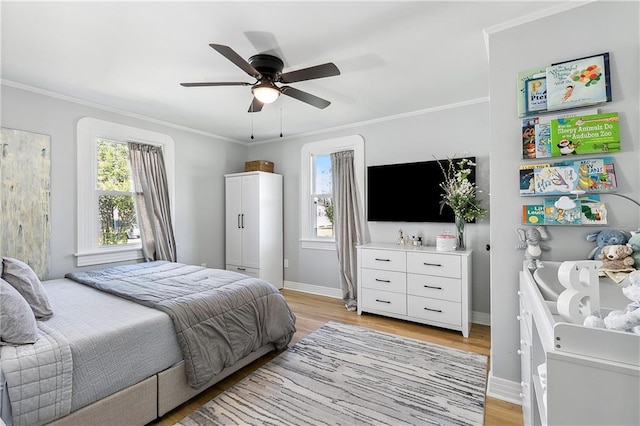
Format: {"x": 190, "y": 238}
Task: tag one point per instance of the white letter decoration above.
{"x": 582, "y": 295}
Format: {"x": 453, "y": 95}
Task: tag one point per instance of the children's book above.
{"x": 523, "y": 77}
{"x": 527, "y": 172}
{"x": 585, "y": 134}
{"x": 578, "y": 83}
{"x": 595, "y": 174}
{"x": 529, "y": 137}
{"x": 543, "y": 140}
{"x": 533, "y": 214}
{"x": 555, "y": 180}
{"x": 585, "y": 210}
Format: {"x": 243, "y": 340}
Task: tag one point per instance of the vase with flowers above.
{"x": 461, "y": 195}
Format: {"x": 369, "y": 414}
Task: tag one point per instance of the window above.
{"x": 114, "y": 190}
{"x": 316, "y": 189}
{"x": 107, "y": 224}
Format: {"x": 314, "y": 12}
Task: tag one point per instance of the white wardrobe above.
{"x": 254, "y": 231}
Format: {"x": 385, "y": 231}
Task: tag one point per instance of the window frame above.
{"x": 90, "y": 130}
{"x": 309, "y": 150}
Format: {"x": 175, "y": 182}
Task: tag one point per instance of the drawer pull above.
{"x": 383, "y": 260}
{"x": 241, "y": 269}
{"x": 433, "y": 287}
{"x": 433, "y": 310}
{"x": 382, "y": 301}
{"x": 382, "y": 281}
{"x": 431, "y": 264}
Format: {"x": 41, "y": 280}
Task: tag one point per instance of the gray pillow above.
{"x": 23, "y": 279}
{"x": 17, "y": 323}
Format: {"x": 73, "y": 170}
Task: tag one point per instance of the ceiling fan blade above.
{"x": 318, "y": 71}
{"x": 305, "y": 97}
{"x": 256, "y": 106}
{"x": 230, "y": 83}
{"x": 240, "y": 62}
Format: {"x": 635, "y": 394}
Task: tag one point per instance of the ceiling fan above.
{"x": 267, "y": 70}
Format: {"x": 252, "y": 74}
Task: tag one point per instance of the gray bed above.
{"x": 105, "y": 359}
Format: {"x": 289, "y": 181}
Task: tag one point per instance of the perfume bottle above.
{"x": 400, "y": 238}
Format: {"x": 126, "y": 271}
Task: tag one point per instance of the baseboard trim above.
{"x": 319, "y": 290}
{"x": 481, "y": 318}
{"x": 503, "y": 389}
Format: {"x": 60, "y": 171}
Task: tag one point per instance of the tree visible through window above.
{"x": 116, "y": 209}
{"x": 322, "y": 196}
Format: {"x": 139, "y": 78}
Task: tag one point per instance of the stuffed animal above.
{"x": 624, "y": 320}
{"x": 606, "y": 237}
{"x": 634, "y": 242}
{"x": 617, "y": 257}
{"x": 530, "y": 242}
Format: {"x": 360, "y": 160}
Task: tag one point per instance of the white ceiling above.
{"x": 395, "y": 57}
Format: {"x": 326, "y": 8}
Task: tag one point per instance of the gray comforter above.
{"x": 219, "y": 316}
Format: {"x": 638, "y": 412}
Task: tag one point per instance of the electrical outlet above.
{"x": 286, "y": 263}
{"x": 204, "y": 265}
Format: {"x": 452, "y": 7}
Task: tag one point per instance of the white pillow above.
{"x": 23, "y": 279}
{"x": 17, "y": 322}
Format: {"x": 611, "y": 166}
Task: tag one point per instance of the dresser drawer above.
{"x": 442, "y": 311}
{"x": 384, "y": 280}
{"x": 395, "y": 303}
{"x": 389, "y": 260}
{"x": 441, "y": 265}
{"x": 252, "y": 272}
{"x": 434, "y": 287}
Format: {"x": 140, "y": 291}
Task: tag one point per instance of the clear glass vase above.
{"x": 460, "y": 222}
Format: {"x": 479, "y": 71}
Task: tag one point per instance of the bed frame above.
{"x": 151, "y": 398}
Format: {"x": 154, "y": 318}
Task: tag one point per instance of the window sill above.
{"x": 108, "y": 256}
{"x": 318, "y": 244}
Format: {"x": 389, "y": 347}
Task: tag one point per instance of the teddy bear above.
{"x": 606, "y": 237}
{"x": 624, "y": 320}
{"x": 634, "y": 242}
{"x": 617, "y": 257}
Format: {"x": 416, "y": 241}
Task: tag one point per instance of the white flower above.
{"x": 459, "y": 192}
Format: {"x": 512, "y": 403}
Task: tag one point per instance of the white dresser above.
{"x": 416, "y": 284}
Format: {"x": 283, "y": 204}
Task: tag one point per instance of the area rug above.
{"x": 347, "y": 375}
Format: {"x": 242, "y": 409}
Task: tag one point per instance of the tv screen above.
{"x": 408, "y": 192}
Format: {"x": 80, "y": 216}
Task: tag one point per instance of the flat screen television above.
{"x": 408, "y": 192}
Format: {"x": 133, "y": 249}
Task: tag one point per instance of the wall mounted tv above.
{"x": 408, "y": 192}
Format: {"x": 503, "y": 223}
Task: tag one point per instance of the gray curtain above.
{"x": 346, "y": 223}
{"x": 152, "y": 202}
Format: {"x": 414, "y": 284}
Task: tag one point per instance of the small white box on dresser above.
{"x": 419, "y": 284}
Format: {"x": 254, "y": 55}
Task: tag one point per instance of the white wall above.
{"x": 440, "y": 133}
{"x": 587, "y": 30}
{"x": 201, "y": 162}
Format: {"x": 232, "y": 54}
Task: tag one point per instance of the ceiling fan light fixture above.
{"x": 265, "y": 92}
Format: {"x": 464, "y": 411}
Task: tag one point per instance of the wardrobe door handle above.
{"x": 242, "y": 220}
{"x": 238, "y": 220}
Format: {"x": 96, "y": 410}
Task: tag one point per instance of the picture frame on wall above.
{"x": 578, "y": 82}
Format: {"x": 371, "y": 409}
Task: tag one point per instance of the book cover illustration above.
{"x": 585, "y": 134}
{"x": 596, "y": 175}
{"x": 555, "y": 180}
{"x": 543, "y": 140}
{"x": 585, "y": 210}
{"x": 535, "y": 90}
{"x": 533, "y": 214}
{"x": 529, "y": 137}
{"x": 523, "y": 77}
{"x": 536, "y": 142}
{"x": 527, "y": 178}
{"x": 577, "y": 83}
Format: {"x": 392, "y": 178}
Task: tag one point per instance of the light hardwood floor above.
{"x": 313, "y": 311}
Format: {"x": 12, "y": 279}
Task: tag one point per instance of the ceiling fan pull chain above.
{"x": 251, "y": 115}
{"x": 280, "y": 117}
